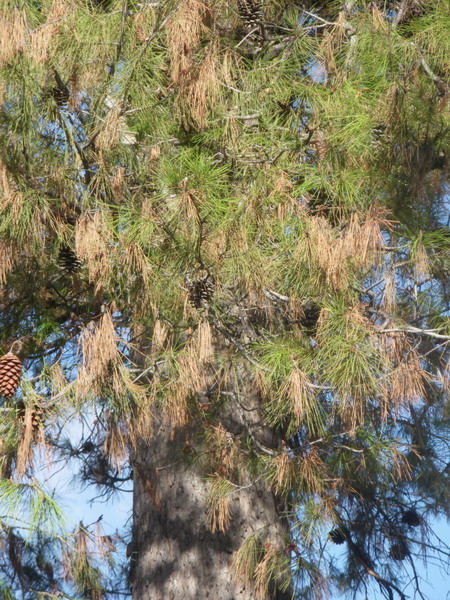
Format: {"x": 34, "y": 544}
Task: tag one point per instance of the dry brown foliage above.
{"x": 263, "y": 572}
{"x": 445, "y": 378}
{"x": 197, "y": 81}
{"x": 187, "y": 202}
{"x": 141, "y": 426}
{"x": 117, "y": 182}
{"x": 82, "y": 542}
{"x": 115, "y": 446}
{"x": 379, "y": 21}
{"x": 2, "y": 94}
{"x": 219, "y": 510}
{"x": 183, "y": 36}
{"x": 16, "y": 35}
{"x": 66, "y": 564}
{"x": 205, "y": 350}
{"x": 102, "y": 543}
{"x": 231, "y": 133}
{"x": 219, "y": 515}
{"x": 421, "y": 264}
{"x": 401, "y": 469}
{"x": 80, "y": 560}
{"x": 331, "y": 40}
{"x": 191, "y": 378}
{"x": 191, "y": 375}
{"x": 224, "y": 449}
{"x": 262, "y": 384}
{"x": 99, "y": 355}
{"x": 359, "y": 245}
{"x": 10, "y": 199}
{"x": 312, "y": 472}
{"x": 30, "y": 431}
{"x": 199, "y": 91}
{"x": 406, "y": 379}
{"x": 8, "y": 259}
{"x": 285, "y": 472}
{"x": 24, "y": 448}
{"x": 300, "y": 393}
{"x": 91, "y": 242}
{"x": 58, "y": 379}
{"x": 154, "y": 153}
{"x": 143, "y": 22}
{"x": 135, "y": 262}
{"x": 351, "y": 408}
{"x": 159, "y": 336}
{"x": 13, "y": 32}
{"x": 109, "y": 134}
{"x": 41, "y": 38}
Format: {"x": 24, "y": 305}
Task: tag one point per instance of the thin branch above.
{"x": 243, "y": 117}
{"x": 401, "y": 13}
{"x": 417, "y": 330}
{"x": 314, "y": 16}
{"x": 442, "y": 87}
{"x": 234, "y": 89}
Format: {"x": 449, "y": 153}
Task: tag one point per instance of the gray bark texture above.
{"x": 175, "y": 554}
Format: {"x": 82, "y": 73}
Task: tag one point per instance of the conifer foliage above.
{"x": 225, "y": 248}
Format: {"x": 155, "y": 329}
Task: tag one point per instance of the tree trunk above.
{"x": 174, "y": 553}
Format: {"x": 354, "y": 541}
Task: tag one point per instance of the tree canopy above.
{"x": 200, "y": 201}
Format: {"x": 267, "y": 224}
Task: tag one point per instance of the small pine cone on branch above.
{"x": 411, "y": 517}
{"x": 68, "y": 261}
{"x": 10, "y": 373}
{"x": 60, "y": 96}
{"x": 200, "y": 289}
{"x": 311, "y": 314}
{"x": 35, "y": 415}
{"x": 60, "y": 93}
{"x": 251, "y": 14}
{"x": 399, "y": 550}
{"x": 337, "y": 536}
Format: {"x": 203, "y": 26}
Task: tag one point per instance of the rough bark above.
{"x": 175, "y": 555}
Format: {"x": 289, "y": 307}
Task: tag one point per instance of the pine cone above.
{"x": 337, "y": 536}
{"x": 10, "y": 373}
{"x": 37, "y": 418}
{"x": 200, "y": 289}
{"x": 399, "y": 550}
{"x": 60, "y": 96}
{"x": 251, "y": 14}
{"x": 67, "y": 260}
{"x": 311, "y": 314}
{"x": 411, "y": 517}
{"x": 37, "y": 415}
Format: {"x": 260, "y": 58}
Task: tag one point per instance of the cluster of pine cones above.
{"x": 399, "y": 549}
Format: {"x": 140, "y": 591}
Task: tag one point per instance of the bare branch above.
{"x": 417, "y": 330}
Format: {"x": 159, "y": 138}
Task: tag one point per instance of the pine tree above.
{"x": 224, "y": 241}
